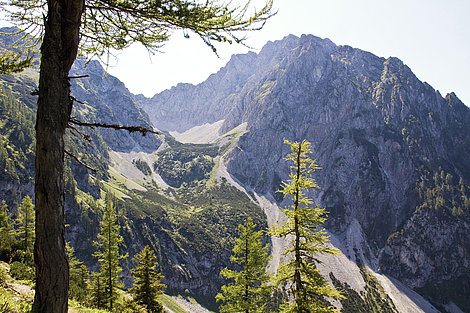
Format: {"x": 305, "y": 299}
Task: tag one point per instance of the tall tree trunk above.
{"x": 58, "y": 51}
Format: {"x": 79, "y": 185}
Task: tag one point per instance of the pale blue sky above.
{"x": 431, "y": 36}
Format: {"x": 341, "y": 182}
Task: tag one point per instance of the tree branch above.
{"x": 80, "y": 76}
{"x": 76, "y": 100}
{"x": 130, "y": 129}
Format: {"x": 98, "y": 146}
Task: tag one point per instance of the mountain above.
{"x": 394, "y": 155}
{"x": 376, "y": 130}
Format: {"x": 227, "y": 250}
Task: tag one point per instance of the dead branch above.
{"x": 80, "y": 76}
{"x": 76, "y": 100}
{"x": 130, "y": 129}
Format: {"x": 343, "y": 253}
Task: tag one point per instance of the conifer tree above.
{"x": 147, "y": 285}
{"x": 25, "y": 223}
{"x": 97, "y": 293}
{"x": 248, "y": 290}
{"x": 7, "y": 233}
{"x": 307, "y": 288}
{"x": 78, "y": 285}
{"x": 108, "y": 255}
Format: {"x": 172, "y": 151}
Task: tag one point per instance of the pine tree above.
{"x": 307, "y": 288}
{"x": 248, "y": 292}
{"x": 7, "y": 233}
{"x": 147, "y": 285}
{"x": 108, "y": 254}
{"x": 25, "y": 223}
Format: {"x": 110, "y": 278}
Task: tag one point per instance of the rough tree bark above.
{"x": 58, "y": 52}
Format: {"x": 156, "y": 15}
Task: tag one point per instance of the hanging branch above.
{"x": 130, "y": 129}
{"x": 80, "y": 162}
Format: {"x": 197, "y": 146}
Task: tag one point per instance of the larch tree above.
{"x": 97, "y": 296}
{"x": 248, "y": 289}
{"x": 26, "y": 225}
{"x": 147, "y": 281}
{"x": 306, "y": 238}
{"x": 108, "y": 255}
{"x": 7, "y": 233}
{"x": 66, "y": 27}
{"x": 78, "y": 285}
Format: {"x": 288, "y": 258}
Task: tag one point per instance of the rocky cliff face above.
{"x": 185, "y": 106}
{"x": 431, "y": 254}
{"x": 375, "y": 129}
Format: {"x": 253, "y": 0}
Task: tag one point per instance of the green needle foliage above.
{"x": 78, "y": 285}
{"x": 108, "y": 255}
{"x": 248, "y": 292}
{"x": 7, "y": 233}
{"x": 19, "y": 55}
{"x": 147, "y": 285}
{"x": 25, "y": 223}
{"x": 116, "y": 24}
{"x": 97, "y": 291}
{"x": 11, "y": 62}
{"x": 306, "y": 286}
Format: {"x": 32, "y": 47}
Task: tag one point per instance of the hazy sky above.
{"x": 431, "y": 36}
